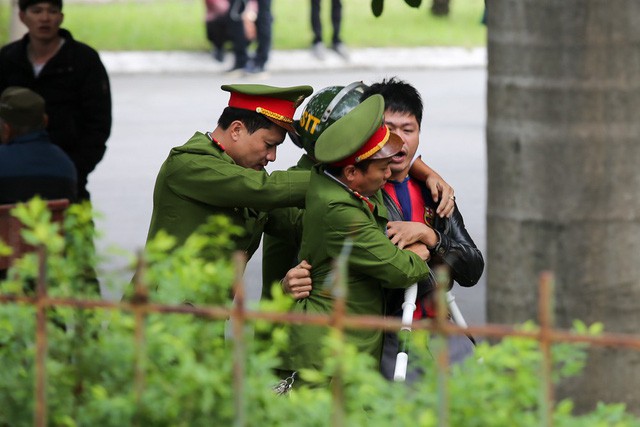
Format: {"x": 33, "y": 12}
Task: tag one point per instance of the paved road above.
{"x": 154, "y": 112}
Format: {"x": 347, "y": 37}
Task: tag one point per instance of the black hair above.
{"x": 252, "y": 121}
{"x": 399, "y": 97}
{"x": 337, "y": 170}
{"x": 334, "y": 170}
{"x": 24, "y": 4}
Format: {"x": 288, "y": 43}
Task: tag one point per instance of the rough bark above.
{"x": 564, "y": 182}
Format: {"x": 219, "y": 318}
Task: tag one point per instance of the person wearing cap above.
{"x": 413, "y": 218}
{"x": 280, "y": 264}
{"x": 30, "y": 164}
{"x": 344, "y": 204}
{"x": 222, "y": 171}
{"x": 280, "y": 255}
{"x": 70, "y": 77}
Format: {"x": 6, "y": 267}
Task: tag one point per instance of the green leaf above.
{"x": 188, "y": 366}
{"x": 5, "y": 250}
{"x": 376, "y": 7}
{"x": 596, "y": 329}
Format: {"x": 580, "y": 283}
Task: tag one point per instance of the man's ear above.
{"x": 349, "y": 172}
{"x": 235, "y": 129}
{"x": 5, "y": 132}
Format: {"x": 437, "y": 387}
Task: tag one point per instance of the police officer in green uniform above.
{"x": 344, "y": 202}
{"x": 280, "y": 252}
{"x": 222, "y": 172}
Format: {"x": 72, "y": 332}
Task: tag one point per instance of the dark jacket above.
{"x": 456, "y": 248}
{"x": 75, "y": 86}
{"x": 31, "y": 165}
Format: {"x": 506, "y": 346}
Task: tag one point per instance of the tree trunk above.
{"x": 564, "y": 181}
{"x": 440, "y": 7}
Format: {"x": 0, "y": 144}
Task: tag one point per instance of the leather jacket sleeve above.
{"x": 458, "y": 250}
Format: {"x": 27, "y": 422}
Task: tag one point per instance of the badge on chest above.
{"x": 429, "y": 215}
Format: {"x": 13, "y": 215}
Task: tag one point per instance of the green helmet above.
{"x": 324, "y": 108}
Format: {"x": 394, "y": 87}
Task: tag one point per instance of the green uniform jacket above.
{"x": 199, "y": 180}
{"x": 332, "y": 214}
{"x": 280, "y": 253}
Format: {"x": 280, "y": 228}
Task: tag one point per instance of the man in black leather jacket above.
{"x": 413, "y": 216}
{"x": 413, "y": 219}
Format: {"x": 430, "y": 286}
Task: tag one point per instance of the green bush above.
{"x": 182, "y": 373}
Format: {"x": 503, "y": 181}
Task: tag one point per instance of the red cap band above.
{"x": 368, "y": 149}
{"x": 279, "y": 109}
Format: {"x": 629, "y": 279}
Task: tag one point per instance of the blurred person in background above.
{"x": 30, "y": 164}
{"x": 317, "y": 46}
{"x": 69, "y": 76}
{"x": 217, "y": 26}
{"x": 250, "y": 20}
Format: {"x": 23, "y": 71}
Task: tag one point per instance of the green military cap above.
{"x": 358, "y": 135}
{"x": 20, "y": 106}
{"x": 278, "y": 104}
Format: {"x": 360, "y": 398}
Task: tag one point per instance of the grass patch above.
{"x": 179, "y": 24}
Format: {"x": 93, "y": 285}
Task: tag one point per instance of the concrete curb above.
{"x": 298, "y": 60}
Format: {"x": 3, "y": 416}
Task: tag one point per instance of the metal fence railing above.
{"x": 239, "y": 315}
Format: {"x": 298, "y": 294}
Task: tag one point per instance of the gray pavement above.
{"x": 299, "y": 60}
